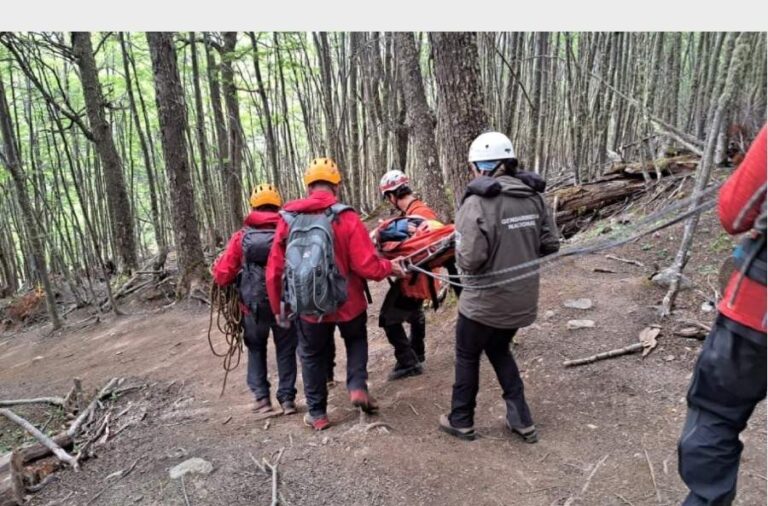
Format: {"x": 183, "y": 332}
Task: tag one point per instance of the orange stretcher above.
{"x": 429, "y": 248}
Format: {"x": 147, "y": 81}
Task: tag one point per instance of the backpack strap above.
{"x": 368, "y": 291}
{"x": 336, "y": 209}
{"x": 288, "y": 216}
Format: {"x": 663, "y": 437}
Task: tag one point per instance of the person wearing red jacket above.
{"x": 729, "y": 377}
{"x": 243, "y": 262}
{"x": 356, "y": 260}
{"x": 398, "y": 308}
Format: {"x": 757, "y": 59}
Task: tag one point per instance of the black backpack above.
{"x": 252, "y": 283}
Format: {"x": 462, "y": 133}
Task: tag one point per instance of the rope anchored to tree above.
{"x": 225, "y": 303}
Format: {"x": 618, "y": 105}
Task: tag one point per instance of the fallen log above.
{"x": 621, "y": 182}
{"x": 42, "y": 438}
{"x": 38, "y": 451}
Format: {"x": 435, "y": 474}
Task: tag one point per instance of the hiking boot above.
{"x": 467, "y": 434}
{"x": 528, "y": 434}
{"x": 318, "y": 423}
{"x": 363, "y": 400}
{"x": 289, "y": 407}
{"x": 405, "y": 372}
{"x": 263, "y": 405}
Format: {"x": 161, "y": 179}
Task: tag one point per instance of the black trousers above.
{"x": 472, "y": 339}
{"x": 255, "y": 335}
{"x": 396, "y": 310}
{"x": 315, "y": 345}
{"x": 727, "y": 383}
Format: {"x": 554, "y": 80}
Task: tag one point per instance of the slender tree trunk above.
{"x": 202, "y": 146}
{"x": 156, "y": 226}
{"x": 12, "y": 162}
{"x": 173, "y": 121}
{"x": 117, "y": 197}
{"x": 270, "y": 132}
{"x": 234, "y": 173}
{"x": 727, "y": 76}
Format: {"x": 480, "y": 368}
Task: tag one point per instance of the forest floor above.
{"x": 626, "y": 413}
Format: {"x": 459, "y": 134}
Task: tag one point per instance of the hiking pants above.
{"x": 727, "y": 383}
{"x": 255, "y": 335}
{"x": 395, "y": 310}
{"x": 314, "y": 347}
{"x": 472, "y": 339}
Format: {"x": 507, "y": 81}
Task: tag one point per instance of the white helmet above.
{"x": 491, "y": 146}
{"x": 392, "y": 180}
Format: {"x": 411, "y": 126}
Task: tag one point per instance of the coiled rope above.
{"x": 225, "y": 303}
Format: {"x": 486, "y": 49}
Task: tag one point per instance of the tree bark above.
{"x": 461, "y": 116}
{"x": 121, "y": 221}
{"x": 421, "y": 122}
{"x": 173, "y": 122}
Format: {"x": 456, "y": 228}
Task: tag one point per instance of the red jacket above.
{"x": 355, "y": 254}
{"x": 229, "y": 264}
{"x": 748, "y": 307}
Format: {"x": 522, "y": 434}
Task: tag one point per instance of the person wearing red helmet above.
{"x": 244, "y": 262}
{"x": 729, "y": 377}
{"x": 398, "y": 308}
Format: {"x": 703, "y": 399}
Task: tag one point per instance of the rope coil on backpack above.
{"x": 225, "y": 302}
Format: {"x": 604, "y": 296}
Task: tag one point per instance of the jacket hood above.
{"x": 261, "y": 219}
{"x": 514, "y": 187}
{"x": 318, "y": 200}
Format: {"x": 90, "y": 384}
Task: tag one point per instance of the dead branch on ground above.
{"x": 56, "y": 401}
{"x": 42, "y": 438}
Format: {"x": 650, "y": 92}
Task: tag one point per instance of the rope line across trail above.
{"x": 225, "y": 302}
{"x": 468, "y": 281}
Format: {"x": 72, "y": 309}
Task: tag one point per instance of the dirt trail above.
{"x": 619, "y": 409}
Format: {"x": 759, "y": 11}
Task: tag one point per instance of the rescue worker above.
{"x": 356, "y": 260}
{"x": 397, "y": 307}
{"x": 244, "y": 261}
{"x": 729, "y": 377}
{"x": 501, "y": 223}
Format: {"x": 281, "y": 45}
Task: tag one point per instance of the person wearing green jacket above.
{"x": 502, "y": 223}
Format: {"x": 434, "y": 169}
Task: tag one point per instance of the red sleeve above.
{"x": 363, "y": 259}
{"x": 228, "y": 265}
{"x": 743, "y": 184}
{"x": 276, "y": 267}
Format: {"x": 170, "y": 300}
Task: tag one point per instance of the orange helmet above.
{"x": 322, "y": 169}
{"x": 265, "y": 194}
